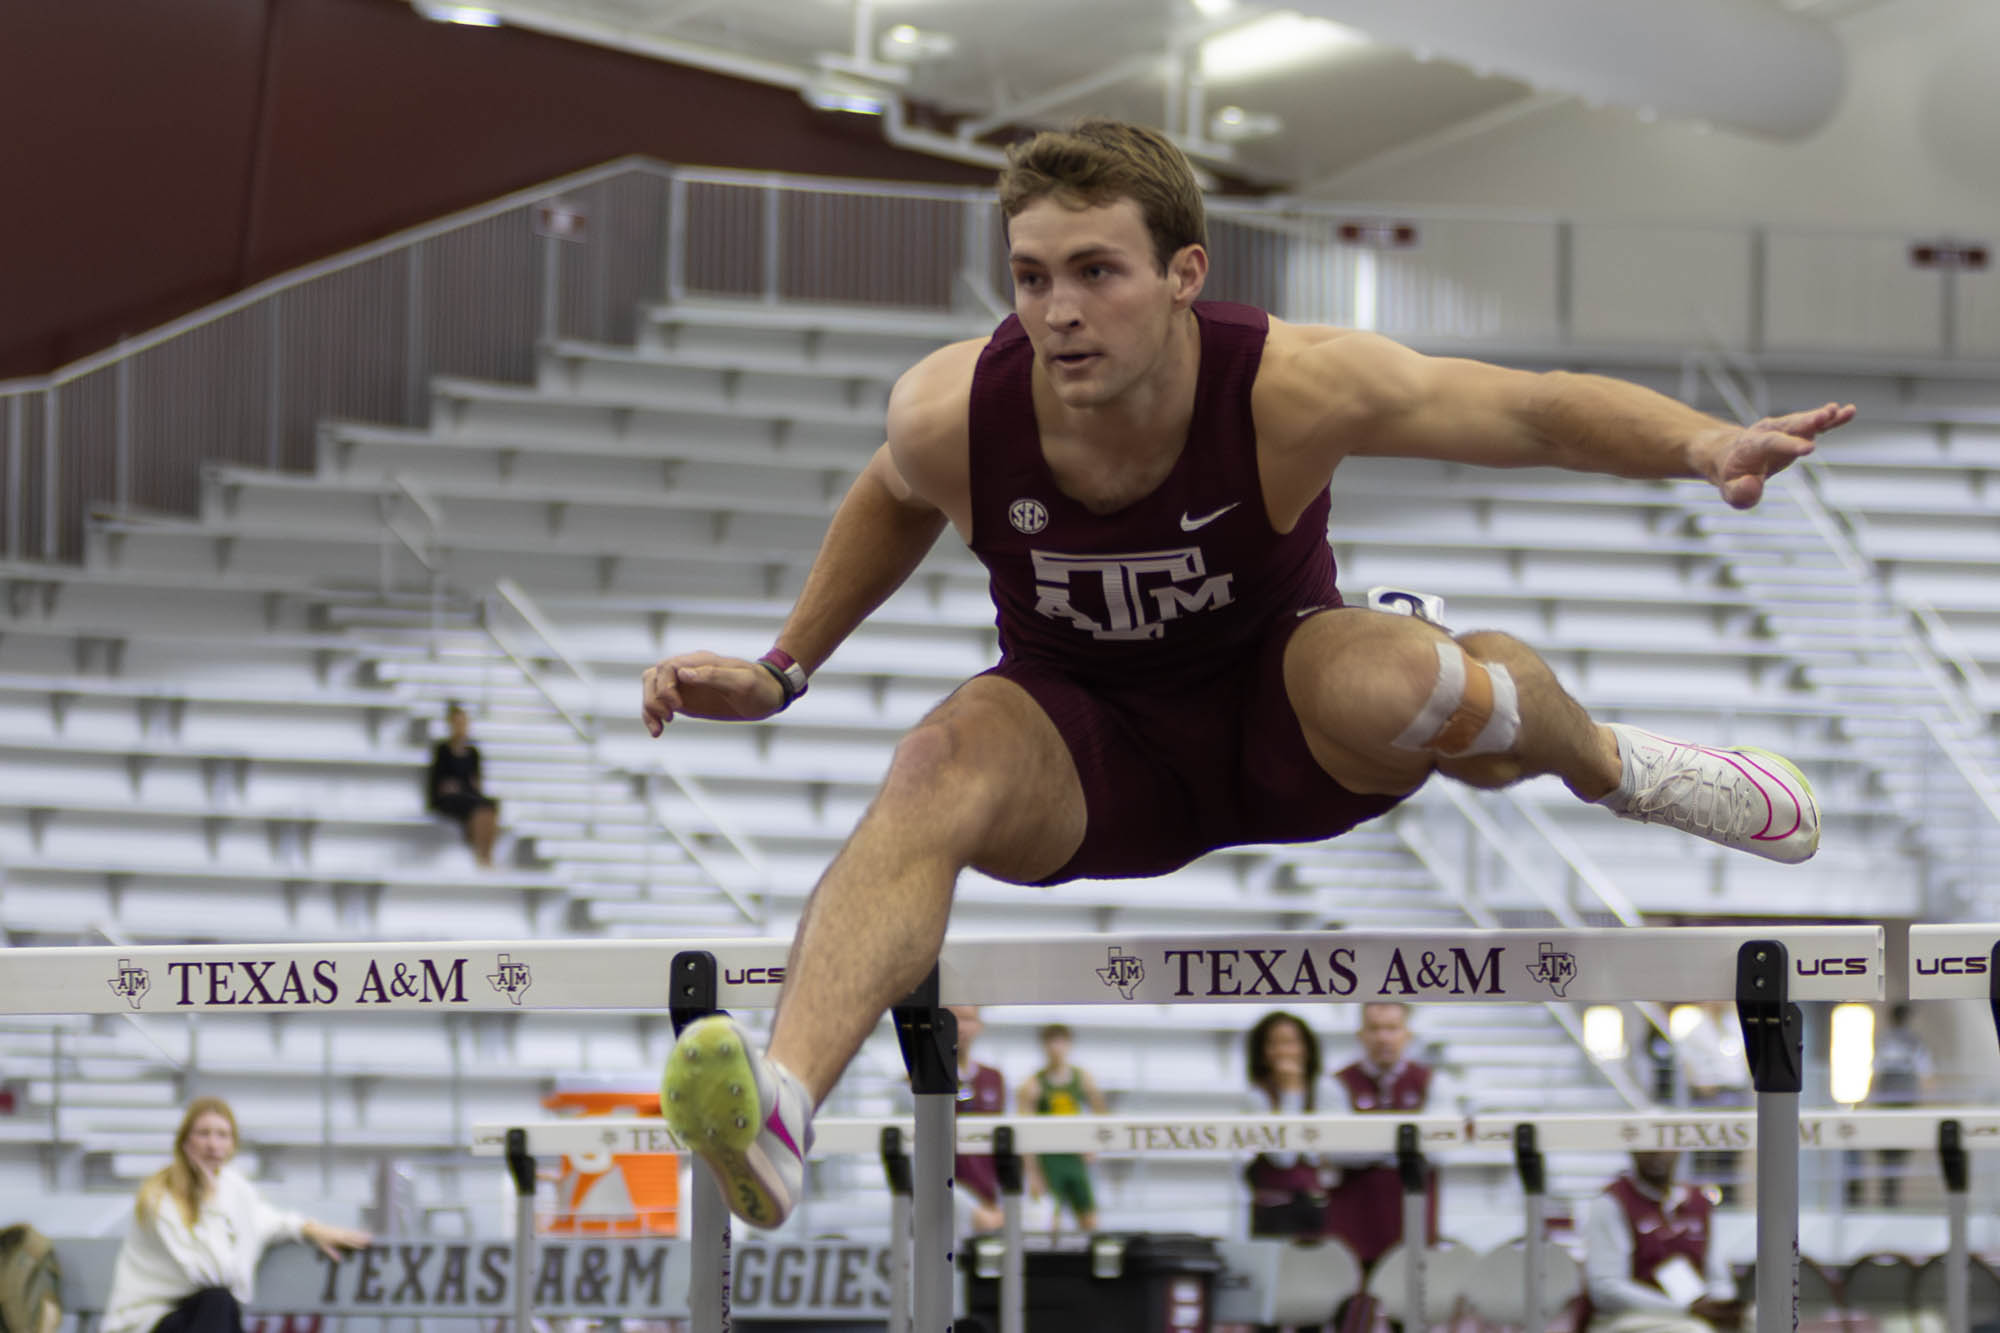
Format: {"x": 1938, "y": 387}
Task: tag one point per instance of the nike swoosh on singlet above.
{"x": 1190, "y": 523}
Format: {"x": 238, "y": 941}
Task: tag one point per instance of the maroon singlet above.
{"x": 1176, "y": 586}
{"x": 1154, "y": 636}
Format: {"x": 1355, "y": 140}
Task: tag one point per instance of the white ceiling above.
{"x": 1045, "y": 61}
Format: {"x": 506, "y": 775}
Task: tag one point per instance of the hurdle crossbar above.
{"x": 1235, "y": 1135}
{"x": 1194, "y": 1136}
{"x": 1952, "y": 962}
{"x": 1423, "y": 967}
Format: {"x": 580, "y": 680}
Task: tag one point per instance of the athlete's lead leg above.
{"x": 1385, "y": 699}
{"x": 985, "y": 781}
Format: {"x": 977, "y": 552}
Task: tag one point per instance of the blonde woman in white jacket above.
{"x": 189, "y": 1261}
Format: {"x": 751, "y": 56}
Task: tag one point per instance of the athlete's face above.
{"x": 1090, "y": 294}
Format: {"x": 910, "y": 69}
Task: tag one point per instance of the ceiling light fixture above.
{"x": 1213, "y": 9}
{"x": 1233, "y": 124}
{"x": 908, "y": 43}
{"x": 1276, "y": 42}
{"x": 472, "y": 16}
{"x": 830, "y": 92}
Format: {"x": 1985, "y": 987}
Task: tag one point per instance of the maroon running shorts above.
{"x": 1171, "y": 772}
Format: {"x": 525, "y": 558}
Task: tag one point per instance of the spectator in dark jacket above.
{"x": 455, "y": 788}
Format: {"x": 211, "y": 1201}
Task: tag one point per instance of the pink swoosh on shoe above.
{"x": 1798, "y": 806}
{"x": 777, "y": 1126}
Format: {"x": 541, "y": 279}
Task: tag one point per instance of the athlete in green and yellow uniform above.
{"x": 1060, "y": 1088}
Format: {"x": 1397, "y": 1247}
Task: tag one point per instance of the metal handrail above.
{"x": 1580, "y": 863}
{"x": 694, "y": 850}
{"x": 1617, "y": 1076}
{"x": 531, "y": 614}
{"x": 178, "y": 1064}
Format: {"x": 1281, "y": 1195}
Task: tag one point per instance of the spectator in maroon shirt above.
{"x": 982, "y": 1090}
{"x": 1365, "y": 1196}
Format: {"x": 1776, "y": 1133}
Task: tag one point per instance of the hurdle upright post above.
{"x": 1958, "y": 1260}
{"x": 928, "y": 1035}
{"x": 1774, "y": 1046}
{"x": 896, "y": 1167}
{"x": 1533, "y": 1169}
{"x": 1415, "y": 1173}
{"x": 1007, "y": 1165}
{"x": 521, "y": 1166}
{"x": 690, "y": 996}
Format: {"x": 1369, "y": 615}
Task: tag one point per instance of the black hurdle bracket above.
{"x": 1008, "y": 1164}
{"x": 520, "y": 1163}
{"x": 1529, "y": 1162}
{"x": 1952, "y": 1157}
{"x": 1410, "y": 1163}
{"x": 928, "y": 1036}
{"x": 1773, "y": 1027}
{"x": 895, "y": 1161}
{"x": 691, "y": 991}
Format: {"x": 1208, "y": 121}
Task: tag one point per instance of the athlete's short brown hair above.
{"x": 1098, "y": 162}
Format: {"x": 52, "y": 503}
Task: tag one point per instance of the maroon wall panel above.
{"x": 175, "y": 150}
{"x": 124, "y": 164}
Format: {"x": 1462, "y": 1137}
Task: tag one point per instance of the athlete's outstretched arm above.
{"x": 1404, "y": 404}
{"x": 879, "y": 534}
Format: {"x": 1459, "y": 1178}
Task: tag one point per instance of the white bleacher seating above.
{"x": 234, "y": 711}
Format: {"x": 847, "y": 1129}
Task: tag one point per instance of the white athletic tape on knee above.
{"x": 1473, "y": 708}
{"x": 1446, "y": 696}
{"x": 1504, "y": 727}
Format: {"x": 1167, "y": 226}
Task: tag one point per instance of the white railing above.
{"x": 1454, "y": 870}
{"x": 360, "y": 335}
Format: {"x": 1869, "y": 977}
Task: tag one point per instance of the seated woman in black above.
{"x": 455, "y": 790}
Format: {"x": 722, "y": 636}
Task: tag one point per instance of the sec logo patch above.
{"x": 1029, "y": 516}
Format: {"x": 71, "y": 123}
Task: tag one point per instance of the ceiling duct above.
{"x": 1740, "y": 64}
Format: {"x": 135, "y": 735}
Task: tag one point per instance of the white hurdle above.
{"x": 1950, "y": 1131}
{"x": 1762, "y": 970}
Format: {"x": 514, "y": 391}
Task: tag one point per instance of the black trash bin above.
{"x": 1116, "y": 1283}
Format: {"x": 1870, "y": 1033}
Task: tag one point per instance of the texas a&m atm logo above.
{"x": 510, "y": 978}
{"x": 1122, "y": 970}
{"x": 1127, "y": 596}
{"x": 1554, "y": 968}
{"x": 131, "y": 982}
